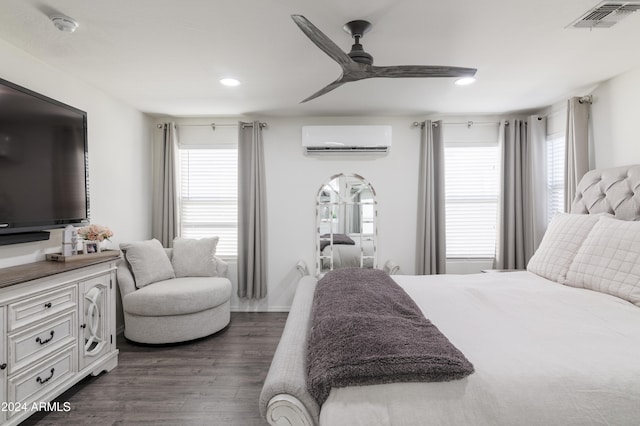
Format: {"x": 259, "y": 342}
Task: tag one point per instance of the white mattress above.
{"x": 544, "y": 354}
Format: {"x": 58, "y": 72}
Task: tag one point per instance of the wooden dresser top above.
{"x": 31, "y": 271}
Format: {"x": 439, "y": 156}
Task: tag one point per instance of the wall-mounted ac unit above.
{"x": 346, "y": 139}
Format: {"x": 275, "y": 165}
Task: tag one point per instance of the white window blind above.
{"x": 471, "y": 193}
{"x": 555, "y": 176}
{"x": 209, "y": 195}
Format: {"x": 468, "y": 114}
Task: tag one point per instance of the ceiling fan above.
{"x": 358, "y": 64}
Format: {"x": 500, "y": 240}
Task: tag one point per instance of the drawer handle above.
{"x": 3, "y": 366}
{"x": 47, "y": 305}
{"x": 42, "y": 342}
{"x": 43, "y": 381}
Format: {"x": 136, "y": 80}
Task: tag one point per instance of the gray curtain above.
{"x": 535, "y": 202}
{"x": 510, "y": 244}
{"x": 252, "y": 208}
{"x": 355, "y": 212}
{"x": 522, "y": 208}
{"x": 431, "y": 246}
{"x": 165, "y": 215}
{"x": 577, "y": 147}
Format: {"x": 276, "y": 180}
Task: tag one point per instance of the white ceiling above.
{"x": 166, "y": 56}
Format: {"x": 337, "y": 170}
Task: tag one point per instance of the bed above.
{"x": 347, "y": 251}
{"x": 556, "y": 344}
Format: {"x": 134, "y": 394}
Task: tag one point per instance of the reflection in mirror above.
{"x": 346, "y": 224}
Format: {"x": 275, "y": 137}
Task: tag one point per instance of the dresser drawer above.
{"x": 30, "y": 385}
{"x": 29, "y": 346}
{"x": 40, "y": 307}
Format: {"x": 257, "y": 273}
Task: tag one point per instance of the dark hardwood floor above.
{"x": 212, "y": 381}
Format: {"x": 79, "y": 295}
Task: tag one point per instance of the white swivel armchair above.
{"x": 173, "y": 307}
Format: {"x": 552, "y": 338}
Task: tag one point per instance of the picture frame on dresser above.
{"x": 90, "y": 247}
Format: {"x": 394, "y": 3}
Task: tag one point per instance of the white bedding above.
{"x": 348, "y": 256}
{"x": 544, "y": 354}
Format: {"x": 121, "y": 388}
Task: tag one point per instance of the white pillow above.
{"x": 559, "y": 246}
{"x": 148, "y": 261}
{"x": 195, "y": 258}
{"x": 609, "y": 260}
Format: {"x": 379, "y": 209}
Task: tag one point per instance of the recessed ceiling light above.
{"x": 64, "y": 23}
{"x": 465, "y": 81}
{"x": 229, "y": 82}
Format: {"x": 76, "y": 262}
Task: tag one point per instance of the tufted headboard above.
{"x": 615, "y": 191}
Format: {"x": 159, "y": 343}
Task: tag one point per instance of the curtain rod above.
{"x": 467, "y": 123}
{"x": 472, "y": 123}
{"x": 421, "y": 124}
{"x": 586, "y": 99}
{"x": 214, "y": 125}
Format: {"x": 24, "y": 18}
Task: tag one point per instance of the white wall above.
{"x": 294, "y": 178}
{"x": 614, "y": 112}
{"x": 119, "y": 148}
{"x": 292, "y": 181}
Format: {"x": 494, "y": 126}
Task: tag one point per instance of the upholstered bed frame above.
{"x": 615, "y": 191}
{"x": 285, "y": 399}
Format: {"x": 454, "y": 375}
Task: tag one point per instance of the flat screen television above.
{"x": 43, "y": 165}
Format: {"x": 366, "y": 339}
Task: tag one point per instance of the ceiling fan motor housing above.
{"x": 357, "y": 29}
{"x": 359, "y": 55}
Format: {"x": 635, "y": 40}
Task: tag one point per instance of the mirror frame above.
{"x": 335, "y": 207}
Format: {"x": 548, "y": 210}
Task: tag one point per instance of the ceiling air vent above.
{"x": 606, "y": 14}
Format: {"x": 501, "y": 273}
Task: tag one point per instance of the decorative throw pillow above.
{"x": 148, "y": 261}
{"x": 559, "y": 246}
{"x": 221, "y": 266}
{"x": 195, "y": 258}
{"x": 609, "y": 260}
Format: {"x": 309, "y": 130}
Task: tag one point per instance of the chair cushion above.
{"x": 195, "y": 258}
{"x": 178, "y": 296}
{"x": 148, "y": 261}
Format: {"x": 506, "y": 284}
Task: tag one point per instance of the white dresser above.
{"x": 58, "y": 326}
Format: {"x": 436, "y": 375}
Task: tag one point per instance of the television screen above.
{"x": 43, "y": 162}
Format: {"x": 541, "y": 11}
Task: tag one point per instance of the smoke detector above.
{"x": 606, "y": 14}
{"x": 64, "y": 23}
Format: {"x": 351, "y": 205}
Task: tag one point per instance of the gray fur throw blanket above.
{"x": 337, "y": 239}
{"x": 366, "y": 330}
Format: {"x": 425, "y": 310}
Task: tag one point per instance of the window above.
{"x": 471, "y": 195}
{"x": 555, "y": 176}
{"x": 367, "y": 216}
{"x": 209, "y": 195}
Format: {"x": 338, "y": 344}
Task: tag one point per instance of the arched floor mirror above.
{"x": 346, "y": 217}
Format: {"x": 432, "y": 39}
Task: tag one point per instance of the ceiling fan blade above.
{"x": 339, "y": 82}
{"x": 322, "y": 41}
{"x": 402, "y": 71}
